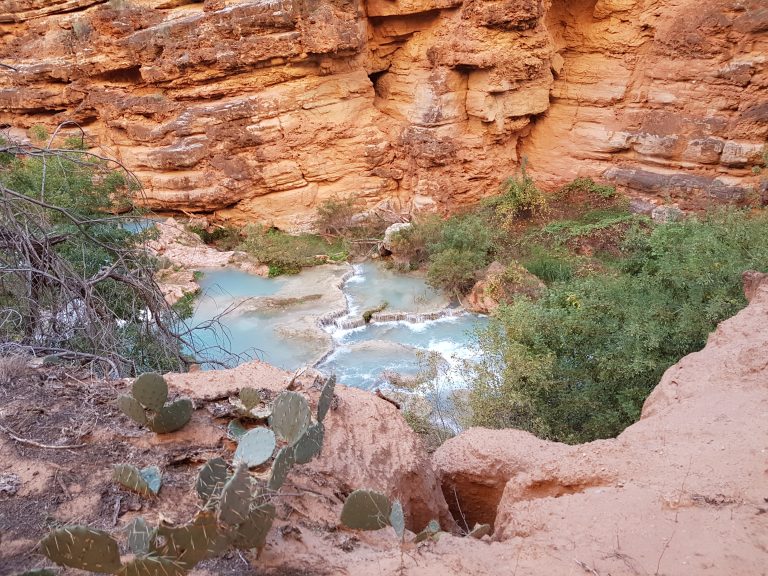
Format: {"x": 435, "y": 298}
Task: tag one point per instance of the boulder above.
{"x": 501, "y": 283}
{"x": 391, "y": 230}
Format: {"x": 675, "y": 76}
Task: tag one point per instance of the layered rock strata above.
{"x": 263, "y": 109}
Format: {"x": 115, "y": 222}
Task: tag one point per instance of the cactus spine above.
{"x": 290, "y": 416}
{"x": 82, "y": 547}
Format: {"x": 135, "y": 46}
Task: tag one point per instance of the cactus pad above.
{"x": 152, "y": 566}
{"x": 82, "y": 547}
{"x": 397, "y": 519}
{"x": 430, "y": 532}
{"x": 145, "y": 482}
{"x": 191, "y": 543}
{"x": 211, "y": 479}
{"x": 480, "y": 530}
{"x": 250, "y": 397}
{"x": 283, "y": 463}
{"x": 255, "y": 447}
{"x": 310, "y": 444}
{"x": 235, "y": 502}
{"x": 235, "y": 430}
{"x": 171, "y": 417}
{"x": 366, "y": 510}
{"x": 140, "y": 536}
{"x": 131, "y": 408}
{"x": 253, "y": 532}
{"x": 326, "y": 398}
{"x": 150, "y": 390}
{"x": 290, "y": 416}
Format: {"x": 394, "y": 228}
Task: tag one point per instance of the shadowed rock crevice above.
{"x": 472, "y": 499}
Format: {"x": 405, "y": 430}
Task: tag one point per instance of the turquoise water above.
{"x": 230, "y": 283}
{"x": 276, "y": 320}
{"x": 373, "y": 285}
{"x": 255, "y": 321}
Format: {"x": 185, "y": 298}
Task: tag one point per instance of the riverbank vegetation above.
{"x": 76, "y": 280}
{"x": 343, "y": 230}
{"x": 626, "y": 298}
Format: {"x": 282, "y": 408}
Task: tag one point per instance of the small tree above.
{"x": 75, "y": 279}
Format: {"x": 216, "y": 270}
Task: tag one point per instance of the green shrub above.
{"x": 550, "y": 265}
{"x": 578, "y": 364}
{"x": 75, "y": 281}
{"x": 412, "y": 244}
{"x": 288, "y": 254}
{"x": 185, "y": 306}
{"x": 519, "y": 198}
{"x": 589, "y": 186}
{"x": 223, "y": 237}
{"x": 462, "y": 250}
{"x": 335, "y": 216}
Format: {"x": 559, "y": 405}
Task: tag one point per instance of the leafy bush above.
{"x": 335, "y": 216}
{"x": 589, "y": 186}
{"x": 519, "y": 198}
{"x": 223, "y": 237}
{"x": 288, "y": 254}
{"x": 578, "y": 364}
{"x": 412, "y": 244}
{"x": 462, "y": 250}
{"x": 550, "y": 265}
{"x": 75, "y": 281}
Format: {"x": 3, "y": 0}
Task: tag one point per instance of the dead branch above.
{"x": 28, "y": 442}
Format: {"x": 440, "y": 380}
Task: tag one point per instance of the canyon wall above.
{"x": 261, "y": 110}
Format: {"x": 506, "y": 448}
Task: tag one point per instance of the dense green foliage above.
{"x": 462, "y": 249}
{"x": 578, "y": 364}
{"x": 287, "y": 253}
{"x": 74, "y": 278}
{"x": 519, "y": 197}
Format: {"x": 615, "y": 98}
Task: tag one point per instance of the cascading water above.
{"x": 316, "y": 318}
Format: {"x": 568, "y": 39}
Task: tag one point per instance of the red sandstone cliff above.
{"x": 259, "y": 110}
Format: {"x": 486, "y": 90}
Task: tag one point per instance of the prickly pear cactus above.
{"x": 191, "y": 543}
{"x": 235, "y": 430}
{"x": 255, "y": 447}
{"x": 283, "y": 463}
{"x": 326, "y": 398}
{"x": 140, "y": 536}
{"x": 152, "y": 566}
{"x": 150, "y": 390}
{"x": 310, "y": 444}
{"x": 172, "y": 417}
{"x": 82, "y": 547}
{"x": 253, "y": 532}
{"x": 290, "y": 416}
{"x": 147, "y": 405}
{"x": 430, "y": 532}
{"x": 366, "y": 510}
{"x": 131, "y": 408}
{"x": 235, "y": 501}
{"x": 249, "y": 397}
{"x": 479, "y": 531}
{"x": 211, "y": 479}
{"x": 146, "y": 481}
{"x": 397, "y": 519}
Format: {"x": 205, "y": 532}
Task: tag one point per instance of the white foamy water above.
{"x": 282, "y": 318}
